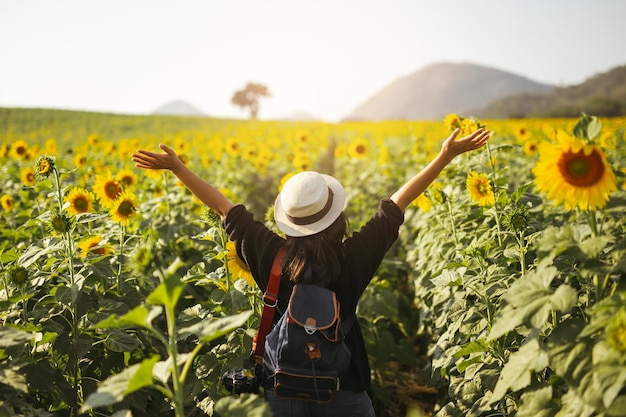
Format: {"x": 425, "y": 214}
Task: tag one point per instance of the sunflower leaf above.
{"x": 208, "y": 330}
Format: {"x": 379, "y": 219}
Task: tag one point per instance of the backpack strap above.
{"x": 270, "y": 297}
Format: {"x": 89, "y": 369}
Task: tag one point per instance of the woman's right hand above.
{"x": 154, "y": 160}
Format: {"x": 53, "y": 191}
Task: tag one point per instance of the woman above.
{"x": 309, "y": 211}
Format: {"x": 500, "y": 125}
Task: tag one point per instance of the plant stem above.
{"x": 591, "y": 216}
{"x": 522, "y": 251}
{"x": 59, "y": 190}
{"x": 449, "y": 206}
{"x": 492, "y": 165}
{"x": 177, "y": 384}
{"x": 121, "y": 258}
{"x": 75, "y": 372}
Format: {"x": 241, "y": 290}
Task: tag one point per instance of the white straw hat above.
{"x": 308, "y": 204}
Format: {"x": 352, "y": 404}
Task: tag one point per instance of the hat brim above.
{"x": 296, "y": 230}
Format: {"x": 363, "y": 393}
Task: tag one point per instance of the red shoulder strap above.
{"x": 269, "y": 305}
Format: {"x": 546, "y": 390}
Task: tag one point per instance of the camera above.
{"x": 240, "y": 380}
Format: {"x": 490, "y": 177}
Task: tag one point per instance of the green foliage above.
{"x": 519, "y": 307}
{"x": 527, "y": 320}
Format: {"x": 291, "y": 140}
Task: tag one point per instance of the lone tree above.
{"x": 249, "y": 97}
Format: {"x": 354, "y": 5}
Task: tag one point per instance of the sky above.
{"x": 319, "y": 57}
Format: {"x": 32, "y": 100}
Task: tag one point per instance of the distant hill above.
{"x": 443, "y": 88}
{"x": 601, "y": 95}
{"x": 178, "y": 108}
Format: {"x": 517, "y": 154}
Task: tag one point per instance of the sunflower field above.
{"x": 121, "y": 295}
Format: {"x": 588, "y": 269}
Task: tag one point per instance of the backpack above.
{"x": 305, "y": 353}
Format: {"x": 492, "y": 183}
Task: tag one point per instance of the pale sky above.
{"x": 320, "y": 57}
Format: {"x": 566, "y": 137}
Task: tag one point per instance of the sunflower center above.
{"x": 581, "y": 170}
{"x": 81, "y": 204}
{"x": 112, "y": 190}
{"x": 43, "y": 167}
{"x": 126, "y": 208}
{"x": 361, "y": 150}
{"x": 482, "y": 188}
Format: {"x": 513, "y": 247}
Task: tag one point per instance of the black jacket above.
{"x": 364, "y": 251}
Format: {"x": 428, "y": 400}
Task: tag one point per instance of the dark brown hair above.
{"x": 316, "y": 259}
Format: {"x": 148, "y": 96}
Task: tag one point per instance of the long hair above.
{"x": 316, "y": 259}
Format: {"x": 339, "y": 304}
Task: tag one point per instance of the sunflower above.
{"x": 424, "y": 203}
{"x": 19, "y": 150}
{"x": 530, "y": 147}
{"x": 18, "y": 275}
{"x": 341, "y": 151}
{"x": 236, "y": 267}
{"x": 479, "y": 189}
{"x": 93, "y": 139}
{"x": 452, "y": 121}
{"x": 616, "y": 330}
{"x": 466, "y": 125}
{"x": 301, "y": 138}
{"x": 27, "y": 175}
{"x": 107, "y": 189}
{"x": 60, "y": 223}
{"x": 50, "y": 146}
{"x": 44, "y": 167}
{"x": 93, "y": 245}
{"x": 126, "y": 177}
{"x": 123, "y": 208}
{"x": 302, "y": 161}
{"x": 574, "y": 174}
{"x": 284, "y": 179}
{"x": 359, "y": 148}
{"x": 6, "y": 201}
{"x": 80, "y": 201}
{"x": 232, "y": 147}
{"x": 80, "y": 160}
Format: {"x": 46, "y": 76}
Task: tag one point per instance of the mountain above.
{"x": 443, "y": 88}
{"x": 178, "y": 108}
{"x": 601, "y": 95}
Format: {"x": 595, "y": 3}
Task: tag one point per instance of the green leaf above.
{"x": 33, "y": 253}
{"x": 593, "y": 128}
{"x": 472, "y": 347}
{"x": 212, "y": 329}
{"x": 587, "y": 127}
{"x": 449, "y": 278}
{"x": 517, "y": 372}
{"x": 139, "y": 316}
{"x": 594, "y": 245}
{"x": 12, "y": 337}
{"x": 249, "y": 405}
{"x": 79, "y": 346}
{"x": 14, "y": 377}
{"x": 537, "y": 403}
{"x": 113, "y": 389}
{"x": 609, "y": 372}
{"x": 9, "y": 256}
{"x": 462, "y": 366}
{"x": 530, "y": 300}
{"x": 119, "y": 341}
{"x": 519, "y": 192}
{"x": 169, "y": 291}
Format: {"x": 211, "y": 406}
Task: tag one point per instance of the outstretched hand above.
{"x": 154, "y": 160}
{"x": 453, "y": 146}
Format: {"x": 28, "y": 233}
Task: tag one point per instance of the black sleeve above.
{"x": 256, "y": 244}
{"x": 366, "y": 248}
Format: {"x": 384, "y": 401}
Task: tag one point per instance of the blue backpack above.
{"x": 305, "y": 353}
